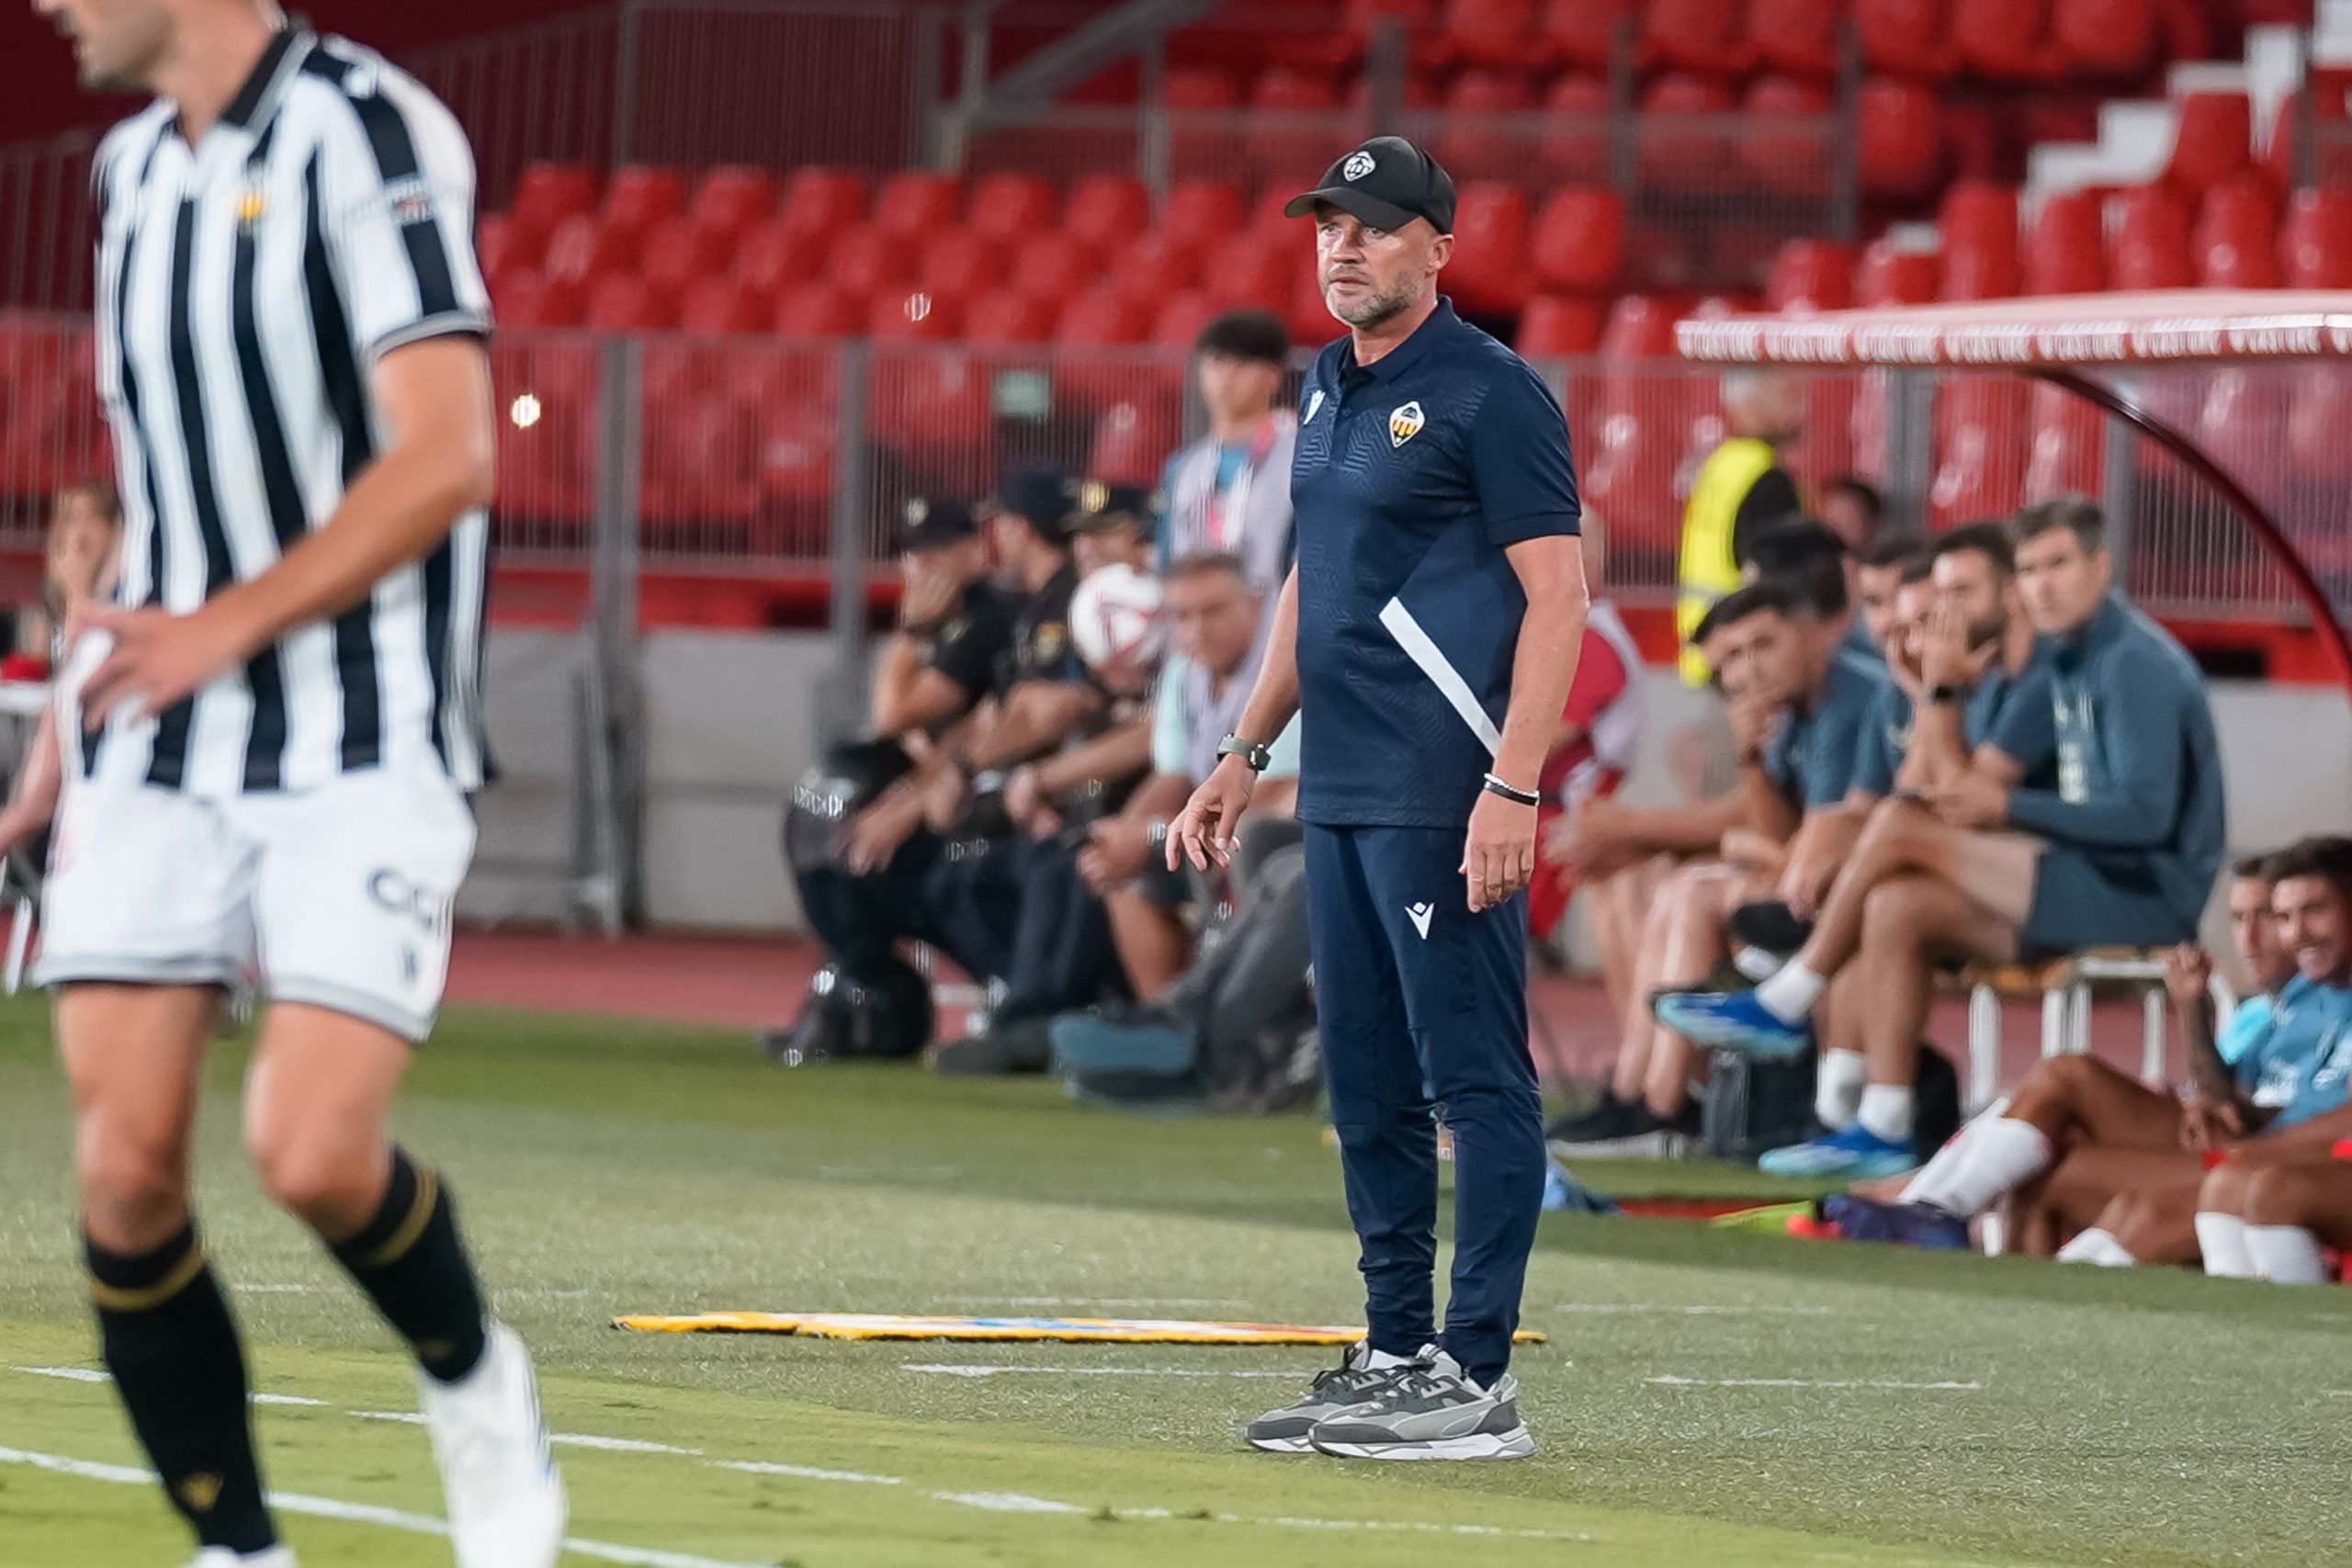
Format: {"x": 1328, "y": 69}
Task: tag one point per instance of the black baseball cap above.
{"x": 1388, "y": 182}
{"x": 936, "y": 522}
{"x": 1102, "y": 506}
{"x": 1040, "y": 493}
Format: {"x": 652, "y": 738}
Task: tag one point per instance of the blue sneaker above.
{"x": 1903, "y": 1225}
{"x": 1854, "y": 1155}
{"x": 1731, "y": 1021}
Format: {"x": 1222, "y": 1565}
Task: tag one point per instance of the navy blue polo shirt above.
{"x": 1412, "y": 478}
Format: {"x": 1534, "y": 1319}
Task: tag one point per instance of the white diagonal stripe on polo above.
{"x": 1432, "y": 662}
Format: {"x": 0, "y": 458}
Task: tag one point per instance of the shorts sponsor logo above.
{"x": 397, "y": 893}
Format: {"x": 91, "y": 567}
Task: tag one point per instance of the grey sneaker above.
{"x": 1342, "y": 1389}
{"x": 1431, "y": 1411}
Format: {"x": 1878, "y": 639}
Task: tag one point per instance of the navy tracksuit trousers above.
{"x": 1423, "y": 1013}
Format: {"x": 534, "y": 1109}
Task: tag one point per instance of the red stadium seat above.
{"x": 1101, "y": 316}
{"x": 866, "y": 261}
{"x": 958, "y": 264}
{"x": 585, "y": 249}
{"x": 1629, "y": 475}
{"x": 1153, "y": 267}
{"x": 1556, "y": 327}
{"x": 723, "y": 305}
{"x": 547, "y": 194}
{"x": 524, "y": 297}
{"x": 1308, "y": 318}
{"x": 1792, "y": 144}
{"x": 1980, "y": 448}
{"x": 1132, "y": 439}
{"x": 2316, "y": 246}
{"x": 1286, "y": 129}
{"x": 546, "y": 439}
{"x": 1672, "y": 148}
{"x": 818, "y": 203}
{"x": 1365, "y": 15}
{"x": 2065, "y": 251}
{"x": 1980, "y": 232}
{"x": 1008, "y": 316}
{"x": 2105, "y": 37}
{"x": 2235, "y": 245}
{"x": 1584, "y": 32}
{"x": 1008, "y": 207}
{"x": 1703, "y": 36}
{"x": 1052, "y": 267}
{"x": 772, "y": 257}
{"x": 1488, "y": 274}
{"x": 1488, "y": 131}
{"x": 1905, "y": 37}
{"x": 731, "y": 199}
{"x": 1199, "y": 87}
{"x": 1200, "y": 211}
{"x": 1485, "y": 32}
{"x": 642, "y": 195}
{"x": 2150, "y": 264}
{"x": 702, "y": 462}
{"x": 1797, "y": 36}
{"x": 1247, "y": 270}
{"x": 915, "y": 203}
{"x": 2004, "y": 40}
{"x": 1901, "y": 139}
{"x": 1889, "y": 277}
{"x": 676, "y": 252}
{"x": 1291, "y": 90}
{"x": 2153, "y": 214}
{"x": 1181, "y": 317}
{"x": 2067, "y": 444}
{"x": 1102, "y": 321}
{"x": 1811, "y": 275}
{"x": 1576, "y": 131}
{"x": 623, "y": 304}
{"x": 798, "y": 437}
{"x": 2215, "y": 142}
{"x": 504, "y": 242}
{"x": 1107, "y": 210}
{"x": 1579, "y": 239}
{"x": 913, "y": 314}
{"x": 818, "y": 309}
{"x": 1640, "y": 326}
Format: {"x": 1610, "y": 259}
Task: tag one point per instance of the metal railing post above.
{"x": 923, "y": 112}
{"x": 838, "y": 713}
{"x": 611, "y": 705}
{"x": 1846, "y": 146}
{"x": 1383, "y": 74}
{"x": 2118, "y": 465}
{"x": 1622, "y": 123}
{"x": 625, "y": 85}
{"x": 1910, "y": 444}
{"x": 1152, "y": 137}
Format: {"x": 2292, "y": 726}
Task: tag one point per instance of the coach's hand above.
{"x": 157, "y": 658}
{"x": 1500, "y": 853}
{"x": 1202, "y": 833}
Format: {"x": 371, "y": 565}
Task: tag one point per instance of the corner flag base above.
{"x": 1068, "y": 1330}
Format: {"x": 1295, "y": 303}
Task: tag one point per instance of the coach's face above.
{"x": 1368, "y": 275}
{"x": 115, "y": 42}
{"x": 2061, "y": 582}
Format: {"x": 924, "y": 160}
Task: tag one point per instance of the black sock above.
{"x": 173, "y": 1349}
{"x": 412, "y": 1264}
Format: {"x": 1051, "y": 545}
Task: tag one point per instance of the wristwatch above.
{"x": 1255, "y": 755}
{"x": 1948, "y": 692}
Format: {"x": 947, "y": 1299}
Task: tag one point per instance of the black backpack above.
{"x": 1749, "y": 1106}
{"x": 845, "y": 1015}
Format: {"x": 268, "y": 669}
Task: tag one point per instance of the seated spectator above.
{"x": 1798, "y": 715}
{"x": 1854, "y": 511}
{"x": 1599, "y": 737}
{"x": 1879, "y": 570}
{"x": 2123, "y": 1164}
{"x": 80, "y": 558}
{"x": 954, "y": 625}
{"x": 1229, "y": 491}
{"x": 2121, "y": 852}
{"x": 1219, "y": 633}
{"x": 1113, "y": 525}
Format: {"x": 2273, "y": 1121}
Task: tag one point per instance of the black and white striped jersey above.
{"x": 247, "y": 287}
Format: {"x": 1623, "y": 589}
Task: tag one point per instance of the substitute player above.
{"x": 267, "y": 741}
{"x": 1427, "y": 638}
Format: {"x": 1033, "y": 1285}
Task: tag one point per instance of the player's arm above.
{"x": 434, "y": 399}
{"x": 33, "y": 800}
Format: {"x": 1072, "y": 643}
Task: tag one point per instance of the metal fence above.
{"x": 739, "y": 458}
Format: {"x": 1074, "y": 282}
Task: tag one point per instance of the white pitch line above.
{"x": 1600, "y": 1308}
{"x": 560, "y": 1440}
{"x": 360, "y": 1513}
{"x": 952, "y": 1370}
{"x": 89, "y": 1375}
{"x": 1008, "y": 1503}
{"x": 273, "y": 1290}
{"x": 1671, "y": 1382}
{"x": 804, "y": 1471}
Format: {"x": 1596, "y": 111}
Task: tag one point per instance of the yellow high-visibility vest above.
{"x": 1705, "y": 571}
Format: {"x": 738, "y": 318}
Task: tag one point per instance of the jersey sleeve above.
{"x": 1518, "y": 460}
{"x": 396, "y": 190}
{"x": 1830, "y": 751}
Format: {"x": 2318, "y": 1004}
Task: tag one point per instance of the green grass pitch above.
{"x": 1706, "y": 1398}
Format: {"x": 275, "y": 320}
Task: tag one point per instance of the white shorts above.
{"x": 337, "y": 896}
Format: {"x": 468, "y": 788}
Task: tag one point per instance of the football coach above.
{"x": 1426, "y": 638}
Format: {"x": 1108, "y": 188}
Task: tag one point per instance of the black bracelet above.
{"x": 1509, "y": 792}
{"x": 1948, "y": 692}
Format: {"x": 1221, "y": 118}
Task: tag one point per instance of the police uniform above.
{"x": 1412, "y": 475}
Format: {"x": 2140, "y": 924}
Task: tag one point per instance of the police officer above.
{"x": 954, "y": 625}
{"x": 1427, "y": 638}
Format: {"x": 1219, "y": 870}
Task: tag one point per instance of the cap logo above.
{"x": 917, "y": 510}
{"x": 1094, "y": 496}
{"x": 1405, "y": 423}
{"x": 1358, "y": 166}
